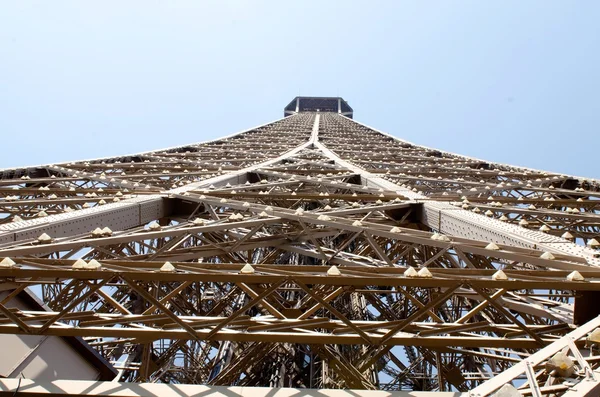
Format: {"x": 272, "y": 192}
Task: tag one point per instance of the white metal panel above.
{"x": 56, "y": 359}
{"x": 40, "y": 357}
{"x": 14, "y": 350}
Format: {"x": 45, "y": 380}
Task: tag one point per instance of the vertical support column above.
{"x": 339, "y": 105}
{"x": 297, "y": 105}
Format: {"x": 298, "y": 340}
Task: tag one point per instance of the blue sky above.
{"x": 509, "y": 81}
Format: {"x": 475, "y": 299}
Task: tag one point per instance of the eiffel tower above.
{"x": 312, "y": 252}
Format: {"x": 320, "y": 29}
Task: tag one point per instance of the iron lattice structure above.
{"x": 310, "y": 252}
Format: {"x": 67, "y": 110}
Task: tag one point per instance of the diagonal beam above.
{"x": 335, "y": 312}
{"x": 155, "y": 302}
{"x": 256, "y": 300}
{"x": 508, "y": 315}
{"x": 419, "y": 313}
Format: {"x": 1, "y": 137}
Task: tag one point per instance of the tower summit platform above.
{"x": 318, "y": 104}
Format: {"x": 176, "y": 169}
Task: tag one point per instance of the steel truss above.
{"x": 310, "y": 252}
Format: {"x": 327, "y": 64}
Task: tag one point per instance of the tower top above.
{"x": 318, "y": 104}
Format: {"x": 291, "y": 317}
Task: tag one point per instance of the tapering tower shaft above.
{"x": 310, "y": 252}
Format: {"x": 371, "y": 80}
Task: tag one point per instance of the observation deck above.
{"x": 318, "y": 104}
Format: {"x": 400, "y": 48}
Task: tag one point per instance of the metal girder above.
{"x": 352, "y": 276}
{"x": 116, "y": 216}
{"x": 400, "y": 338}
{"x": 117, "y": 389}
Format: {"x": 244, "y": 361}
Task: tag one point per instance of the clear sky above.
{"x": 509, "y": 81}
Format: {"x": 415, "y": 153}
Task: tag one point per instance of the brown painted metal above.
{"x": 288, "y": 246}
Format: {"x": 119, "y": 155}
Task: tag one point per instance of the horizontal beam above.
{"x": 116, "y": 216}
{"x": 28, "y": 387}
{"x": 399, "y": 339}
{"x": 358, "y": 276}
